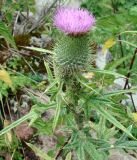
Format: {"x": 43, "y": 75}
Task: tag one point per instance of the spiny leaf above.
{"x": 50, "y": 86}
{"x": 40, "y": 50}
{"x": 119, "y": 61}
{"x": 123, "y": 137}
{"x": 131, "y": 44}
{"x": 134, "y": 32}
{"x": 50, "y": 75}
{"x": 113, "y": 120}
{"x": 80, "y": 153}
{"x": 39, "y": 152}
{"x": 106, "y": 72}
{"x": 119, "y": 92}
{"x": 5, "y": 32}
{"x": 16, "y": 123}
{"x": 91, "y": 150}
{"x": 128, "y": 145}
{"x": 30, "y": 116}
{"x": 58, "y": 109}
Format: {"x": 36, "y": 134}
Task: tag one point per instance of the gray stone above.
{"x": 120, "y": 155}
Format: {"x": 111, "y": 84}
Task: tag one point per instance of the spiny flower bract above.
{"x": 73, "y": 21}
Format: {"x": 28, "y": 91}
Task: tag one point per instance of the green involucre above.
{"x": 71, "y": 54}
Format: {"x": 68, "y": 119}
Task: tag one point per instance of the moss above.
{"x": 3, "y": 44}
{"x": 22, "y": 40}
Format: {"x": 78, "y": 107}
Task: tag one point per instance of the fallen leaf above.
{"x": 134, "y": 117}
{"x": 108, "y": 44}
{"x": 8, "y": 135}
{"x": 88, "y": 75}
{"x": 4, "y": 76}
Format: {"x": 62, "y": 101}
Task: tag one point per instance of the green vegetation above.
{"x": 87, "y": 115}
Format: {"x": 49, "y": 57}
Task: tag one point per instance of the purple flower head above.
{"x": 73, "y": 21}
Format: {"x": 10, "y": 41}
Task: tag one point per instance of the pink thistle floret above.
{"x": 73, "y": 21}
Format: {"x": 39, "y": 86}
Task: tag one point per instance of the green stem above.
{"x": 73, "y": 90}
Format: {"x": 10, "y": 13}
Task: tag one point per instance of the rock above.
{"x": 73, "y": 3}
{"x": 47, "y": 142}
{"x": 48, "y": 115}
{"x": 119, "y": 83}
{"x": 102, "y": 59}
{"x": 43, "y": 41}
{"x": 21, "y": 20}
{"x": 120, "y": 155}
{"x": 24, "y": 131}
{"x": 5, "y": 155}
{"x": 41, "y": 5}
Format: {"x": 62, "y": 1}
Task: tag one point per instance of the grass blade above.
{"x": 39, "y": 152}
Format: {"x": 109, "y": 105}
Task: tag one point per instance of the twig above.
{"x": 27, "y": 9}
{"x": 29, "y": 65}
{"x": 15, "y": 23}
{"x": 122, "y": 54}
{"x": 41, "y": 19}
{"x": 114, "y": 4}
{"x": 27, "y": 26}
{"x": 121, "y": 48}
{"x": 44, "y": 99}
{"x": 130, "y": 67}
{"x": 61, "y": 149}
{"x": 128, "y": 76}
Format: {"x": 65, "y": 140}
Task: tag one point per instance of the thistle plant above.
{"x": 72, "y": 52}
{"x": 81, "y": 101}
